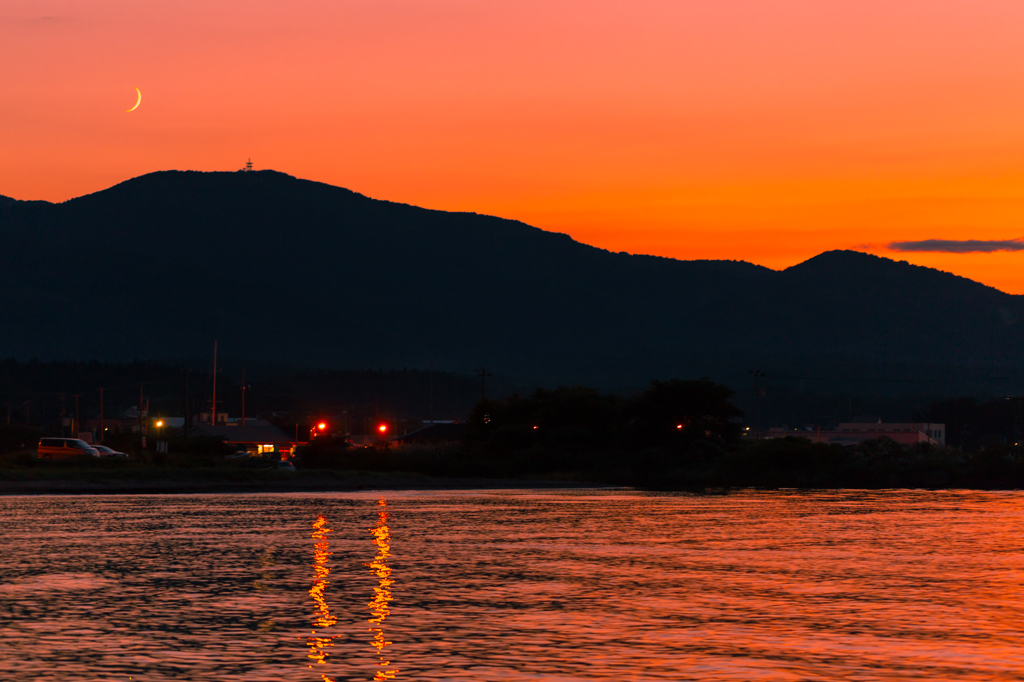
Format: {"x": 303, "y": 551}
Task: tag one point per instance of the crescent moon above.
{"x": 137, "y": 102}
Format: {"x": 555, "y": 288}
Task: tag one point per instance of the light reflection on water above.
{"x": 380, "y": 606}
{"x": 585, "y": 585}
{"x": 318, "y": 643}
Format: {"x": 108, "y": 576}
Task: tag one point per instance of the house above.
{"x": 852, "y": 433}
{"x": 256, "y": 439}
{"x": 913, "y": 432}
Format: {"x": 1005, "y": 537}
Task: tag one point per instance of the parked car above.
{"x": 63, "y": 448}
{"x": 284, "y": 465}
{"x": 107, "y": 452}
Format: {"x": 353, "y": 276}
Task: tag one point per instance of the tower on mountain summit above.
{"x": 248, "y": 165}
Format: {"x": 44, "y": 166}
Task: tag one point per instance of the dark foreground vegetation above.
{"x": 676, "y": 435}
{"x": 781, "y": 463}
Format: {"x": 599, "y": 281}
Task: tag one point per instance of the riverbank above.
{"x": 703, "y": 465}
{"x": 170, "y": 481}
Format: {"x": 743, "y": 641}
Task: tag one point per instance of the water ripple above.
{"x": 513, "y": 585}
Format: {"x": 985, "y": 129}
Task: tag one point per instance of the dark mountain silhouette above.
{"x": 301, "y": 273}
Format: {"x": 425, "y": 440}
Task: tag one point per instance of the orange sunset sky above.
{"x": 767, "y": 130}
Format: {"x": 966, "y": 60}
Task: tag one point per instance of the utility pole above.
{"x": 78, "y": 422}
{"x": 142, "y": 431}
{"x": 1016, "y": 425}
{"x": 187, "y": 418}
{"x": 213, "y": 403}
{"x": 483, "y": 381}
{"x": 758, "y": 393}
{"x": 101, "y": 414}
{"x": 243, "y": 397}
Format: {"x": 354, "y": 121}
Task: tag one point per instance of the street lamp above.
{"x": 161, "y": 445}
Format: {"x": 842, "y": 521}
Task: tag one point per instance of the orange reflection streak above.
{"x": 380, "y": 606}
{"x": 323, "y": 619}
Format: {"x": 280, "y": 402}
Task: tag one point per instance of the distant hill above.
{"x": 294, "y": 272}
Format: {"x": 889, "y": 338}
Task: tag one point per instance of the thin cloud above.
{"x": 43, "y": 21}
{"x": 960, "y": 246}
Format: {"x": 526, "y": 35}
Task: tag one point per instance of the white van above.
{"x": 63, "y": 448}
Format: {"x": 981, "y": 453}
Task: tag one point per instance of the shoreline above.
{"x": 196, "y": 486}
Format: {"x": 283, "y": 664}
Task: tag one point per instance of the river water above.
{"x": 513, "y": 585}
